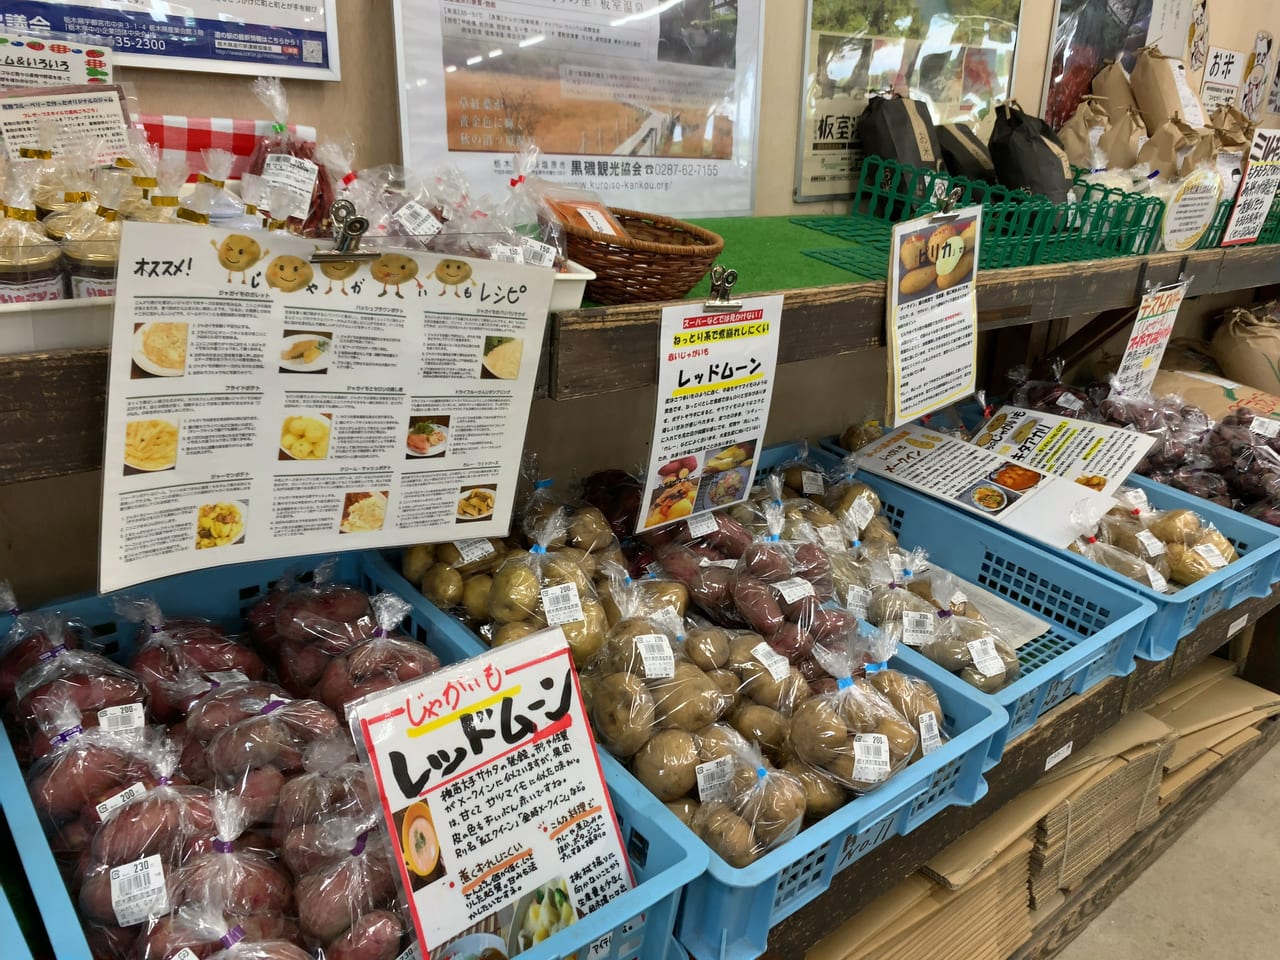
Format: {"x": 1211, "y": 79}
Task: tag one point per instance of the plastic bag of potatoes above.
{"x": 456, "y": 575}
{"x": 971, "y": 648}
{"x": 802, "y": 476}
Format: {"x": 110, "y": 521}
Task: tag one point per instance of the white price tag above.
{"x": 985, "y": 659}
{"x": 225, "y": 678}
{"x": 538, "y": 253}
{"x": 796, "y": 588}
{"x": 930, "y": 738}
{"x": 596, "y": 220}
{"x": 1058, "y": 756}
{"x": 831, "y": 539}
{"x": 561, "y": 605}
{"x": 1192, "y": 111}
{"x": 655, "y": 652}
{"x": 862, "y": 512}
{"x": 417, "y": 220}
{"x": 1069, "y": 401}
{"x": 702, "y": 524}
{"x": 669, "y": 620}
{"x": 857, "y": 599}
{"x": 1152, "y": 545}
{"x": 870, "y": 757}
{"x": 185, "y": 954}
{"x": 120, "y": 799}
{"x": 715, "y": 780}
{"x": 917, "y": 628}
{"x": 296, "y": 176}
{"x": 958, "y": 600}
{"x": 1237, "y": 625}
{"x": 727, "y": 564}
{"x": 138, "y": 891}
{"x": 1138, "y": 499}
{"x": 1158, "y": 583}
{"x": 1264, "y": 427}
{"x": 812, "y": 483}
{"x": 413, "y": 953}
{"x": 474, "y": 549}
{"x": 1212, "y": 554}
{"x": 779, "y": 667}
{"x": 128, "y": 716}
{"x": 506, "y": 253}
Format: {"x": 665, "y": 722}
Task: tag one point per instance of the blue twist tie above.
{"x": 906, "y": 571}
{"x": 857, "y": 542}
{"x": 537, "y": 548}
{"x": 761, "y": 773}
{"x": 543, "y": 484}
{"x": 877, "y": 667}
{"x": 844, "y": 683}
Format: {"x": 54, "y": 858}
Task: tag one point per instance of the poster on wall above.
{"x": 956, "y": 56}
{"x": 650, "y": 103}
{"x": 1087, "y": 34}
{"x": 298, "y": 38}
{"x": 261, "y": 405}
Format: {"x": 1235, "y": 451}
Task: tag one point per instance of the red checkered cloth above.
{"x": 193, "y": 134}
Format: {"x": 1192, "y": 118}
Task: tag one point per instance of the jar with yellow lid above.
{"x": 161, "y": 205}
{"x": 30, "y": 263}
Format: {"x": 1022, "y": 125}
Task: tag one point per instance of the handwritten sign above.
{"x": 491, "y": 790}
{"x": 1223, "y": 74}
{"x": 1148, "y": 339}
{"x": 1257, "y": 189}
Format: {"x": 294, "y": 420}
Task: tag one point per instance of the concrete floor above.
{"x": 1212, "y": 894}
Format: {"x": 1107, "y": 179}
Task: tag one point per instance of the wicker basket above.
{"x": 661, "y": 259}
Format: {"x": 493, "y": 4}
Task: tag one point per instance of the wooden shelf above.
{"x": 606, "y": 349}
{"x": 1077, "y": 720}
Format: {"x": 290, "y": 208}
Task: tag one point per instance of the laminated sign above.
{"x": 492, "y": 795}
{"x": 1257, "y": 190}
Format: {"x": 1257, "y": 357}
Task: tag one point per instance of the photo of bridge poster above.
{"x": 650, "y": 103}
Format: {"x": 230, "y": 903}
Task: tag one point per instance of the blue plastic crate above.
{"x": 636, "y": 926}
{"x": 728, "y": 912}
{"x": 1094, "y": 624}
{"x": 1177, "y": 614}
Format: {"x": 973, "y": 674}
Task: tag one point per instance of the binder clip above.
{"x": 348, "y": 228}
{"x": 946, "y": 204}
{"x": 722, "y": 281}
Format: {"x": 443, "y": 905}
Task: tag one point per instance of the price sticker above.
{"x": 1265, "y": 427}
{"x": 1138, "y": 500}
{"x": 702, "y": 524}
{"x": 870, "y": 757}
{"x": 1069, "y": 401}
{"x": 138, "y": 891}
{"x": 417, "y": 220}
{"x": 474, "y": 549}
{"x": 225, "y": 678}
{"x": 668, "y": 619}
{"x": 185, "y": 954}
{"x": 296, "y": 178}
{"x": 538, "y": 253}
{"x": 506, "y": 253}
{"x": 779, "y": 667}
{"x": 930, "y": 737}
{"x": 957, "y": 601}
{"x": 862, "y": 512}
{"x": 655, "y": 653}
{"x": 857, "y": 599}
{"x": 1152, "y": 545}
{"x": 831, "y": 539}
{"x": 726, "y": 564}
{"x": 126, "y": 717}
{"x": 1158, "y": 583}
{"x": 596, "y": 220}
{"x": 1058, "y": 755}
{"x": 120, "y": 799}
{"x": 561, "y": 605}
{"x": 796, "y": 588}
{"x": 811, "y": 483}
{"x": 715, "y": 780}
{"x": 413, "y": 953}
{"x": 917, "y": 628}
{"x": 1211, "y": 554}
{"x": 985, "y": 659}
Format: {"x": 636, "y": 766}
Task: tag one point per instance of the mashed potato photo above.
{"x": 502, "y": 357}
{"x": 364, "y": 512}
{"x": 305, "y": 437}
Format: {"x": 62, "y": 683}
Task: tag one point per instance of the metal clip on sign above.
{"x": 348, "y": 228}
{"x": 946, "y": 205}
{"x": 1183, "y": 277}
{"x": 722, "y": 281}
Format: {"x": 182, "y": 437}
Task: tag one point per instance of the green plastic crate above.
{"x": 1018, "y": 228}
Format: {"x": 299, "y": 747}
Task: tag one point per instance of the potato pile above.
{"x": 1160, "y": 549}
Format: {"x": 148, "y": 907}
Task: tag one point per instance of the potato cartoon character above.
{"x": 393, "y": 269}
{"x": 452, "y": 273}
{"x": 289, "y": 274}
{"x": 341, "y": 271}
{"x": 238, "y": 253}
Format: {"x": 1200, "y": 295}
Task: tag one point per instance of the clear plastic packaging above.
{"x": 333, "y": 898}
{"x": 757, "y": 809}
{"x": 316, "y": 623}
{"x": 101, "y": 692}
{"x": 284, "y": 160}
{"x": 31, "y": 638}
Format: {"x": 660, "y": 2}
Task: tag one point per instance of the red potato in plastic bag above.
{"x": 385, "y": 661}
{"x": 334, "y": 786}
{"x": 204, "y": 930}
{"x": 375, "y": 936}
{"x": 332, "y": 899}
{"x": 30, "y": 639}
{"x": 262, "y": 615}
{"x": 86, "y": 682}
{"x": 83, "y": 766}
{"x": 332, "y": 616}
{"x": 229, "y": 704}
{"x": 262, "y": 950}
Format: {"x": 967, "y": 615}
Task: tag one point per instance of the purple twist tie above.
{"x": 155, "y": 627}
{"x": 380, "y": 631}
{"x": 232, "y": 936}
{"x": 224, "y": 846}
{"x": 360, "y": 842}
{"x": 53, "y": 652}
{"x": 273, "y": 705}
{"x": 943, "y": 614}
{"x": 67, "y": 734}
{"x": 13, "y": 611}
{"x": 163, "y": 782}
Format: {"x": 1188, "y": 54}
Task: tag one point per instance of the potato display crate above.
{"x": 636, "y": 926}
{"x": 1094, "y": 625}
{"x": 728, "y": 912}
{"x": 1018, "y": 228}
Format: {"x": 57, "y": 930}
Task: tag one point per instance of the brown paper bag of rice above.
{"x": 1121, "y": 141}
{"x": 1161, "y": 88}
{"x": 1111, "y": 86}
